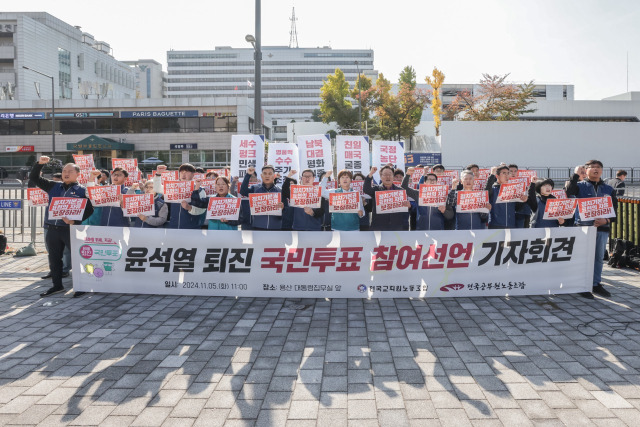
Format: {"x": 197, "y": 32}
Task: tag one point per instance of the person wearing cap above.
{"x": 543, "y": 193}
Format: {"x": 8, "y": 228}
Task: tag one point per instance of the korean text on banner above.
{"x": 559, "y": 194}
{"x": 130, "y": 165}
{"x": 315, "y": 153}
{"x": 177, "y": 191}
{"x": 596, "y": 207}
{"x": 472, "y": 201}
{"x": 138, "y": 204}
{"x": 265, "y": 204}
{"x": 305, "y": 196}
{"x": 37, "y": 197}
{"x": 134, "y": 177}
{"x": 284, "y": 264}
{"x": 283, "y": 157}
{"x": 418, "y": 173}
{"x": 169, "y": 176}
{"x": 433, "y": 195}
{"x": 358, "y": 185}
{"x": 560, "y": 208}
{"x": 391, "y": 201}
{"x": 67, "y": 207}
{"x": 84, "y": 161}
{"x": 221, "y": 172}
{"x": 511, "y": 192}
{"x": 209, "y": 187}
{"x": 104, "y": 195}
{"x": 384, "y": 152}
{"x": 224, "y": 208}
{"x": 348, "y": 202}
{"x": 528, "y": 173}
{"x": 246, "y": 151}
{"x": 352, "y": 153}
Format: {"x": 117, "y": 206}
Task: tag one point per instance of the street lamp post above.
{"x": 53, "y": 111}
{"x": 257, "y": 56}
{"x": 359, "y": 100}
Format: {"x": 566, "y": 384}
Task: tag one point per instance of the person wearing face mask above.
{"x": 58, "y": 231}
{"x": 222, "y": 186}
{"x": 342, "y": 221}
{"x": 466, "y": 220}
{"x": 268, "y": 176}
{"x": 161, "y": 210}
{"x": 304, "y": 219}
{"x": 183, "y": 215}
{"x": 397, "y": 221}
{"x": 543, "y": 193}
{"x": 594, "y": 186}
{"x": 428, "y": 217}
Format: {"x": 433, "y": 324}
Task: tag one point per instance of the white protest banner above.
{"x": 532, "y": 175}
{"x": 246, "y": 151}
{"x": 104, "y": 195}
{"x": 284, "y": 158}
{"x": 348, "y": 202}
{"x": 418, "y": 173}
{"x": 198, "y": 176}
{"x": 138, "y": 204}
{"x": 305, "y": 196}
{"x": 209, "y": 187}
{"x": 308, "y": 264}
{"x": 479, "y": 184}
{"x": 358, "y": 185}
{"x": 391, "y": 201}
{"x": 472, "y": 201}
{"x": 452, "y": 173}
{"x": 559, "y": 194}
{"x": 169, "y": 176}
{"x": 511, "y": 192}
{"x": 177, "y": 191}
{"x": 315, "y": 153}
{"x": 560, "y": 208}
{"x": 445, "y": 180}
{"x": 130, "y": 165}
{"x": 596, "y": 207}
{"x": 483, "y": 174}
{"x": 224, "y": 208}
{"x": 222, "y": 172}
{"x": 265, "y": 203}
{"x": 352, "y": 153}
{"x": 37, "y": 197}
{"x": 84, "y": 161}
{"x": 384, "y": 152}
{"x": 134, "y": 177}
{"x": 69, "y": 207}
{"x": 83, "y": 176}
{"x": 433, "y": 195}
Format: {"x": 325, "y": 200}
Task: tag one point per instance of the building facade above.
{"x": 81, "y": 67}
{"x": 150, "y": 79}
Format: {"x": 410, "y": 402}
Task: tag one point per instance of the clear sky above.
{"x": 581, "y": 42}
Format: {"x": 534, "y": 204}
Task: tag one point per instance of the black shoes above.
{"x": 78, "y": 294}
{"x": 600, "y": 290}
{"x": 47, "y": 276}
{"x": 587, "y": 295}
{"x": 65, "y": 275}
{"x": 52, "y": 291}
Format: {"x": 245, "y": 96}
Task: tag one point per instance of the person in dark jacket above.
{"x": 428, "y": 217}
{"x": 396, "y": 221}
{"x": 304, "y": 219}
{"x": 161, "y": 210}
{"x": 466, "y": 220}
{"x": 185, "y": 215}
{"x": 268, "y": 176}
{"x": 111, "y": 216}
{"x": 594, "y": 186}
{"x": 543, "y": 193}
{"x": 365, "y": 220}
{"x": 617, "y": 183}
{"x": 222, "y": 190}
{"x": 58, "y": 231}
{"x": 503, "y": 215}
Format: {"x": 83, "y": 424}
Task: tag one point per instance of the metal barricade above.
{"x": 627, "y": 224}
{"x": 19, "y": 221}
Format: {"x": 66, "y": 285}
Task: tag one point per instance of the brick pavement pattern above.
{"x": 142, "y": 360}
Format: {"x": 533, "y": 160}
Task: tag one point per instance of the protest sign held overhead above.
{"x": 283, "y": 157}
{"x": 130, "y": 165}
{"x": 385, "y": 152}
{"x": 315, "y": 153}
{"x": 84, "y": 161}
{"x": 559, "y": 194}
{"x": 246, "y": 151}
{"x": 352, "y": 153}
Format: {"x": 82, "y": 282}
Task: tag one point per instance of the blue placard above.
{"x": 11, "y": 204}
{"x": 158, "y": 114}
{"x": 425, "y": 159}
{"x": 21, "y": 116}
{"x": 183, "y": 146}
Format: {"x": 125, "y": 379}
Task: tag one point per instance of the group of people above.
{"x": 527, "y": 212}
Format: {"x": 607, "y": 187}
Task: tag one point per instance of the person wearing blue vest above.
{"x": 161, "y": 210}
{"x": 594, "y": 186}
{"x": 268, "y": 176}
{"x": 397, "y": 221}
{"x": 342, "y": 221}
{"x": 184, "y": 215}
{"x": 503, "y": 215}
{"x": 66, "y": 258}
{"x": 543, "y": 193}
{"x": 466, "y": 220}
{"x": 304, "y": 219}
{"x": 428, "y": 217}
{"x": 58, "y": 231}
{"x": 222, "y": 190}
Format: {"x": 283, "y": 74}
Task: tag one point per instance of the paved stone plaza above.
{"x": 113, "y": 359}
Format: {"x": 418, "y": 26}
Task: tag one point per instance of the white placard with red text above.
{"x": 284, "y": 158}
{"x": 472, "y": 201}
{"x": 69, "y": 207}
{"x": 221, "y": 172}
{"x": 138, "y": 204}
{"x": 345, "y": 202}
{"x": 209, "y": 187}
{"x": 352, "y": 153}
{"x": 265, "y": 203}
{"x": 559, "y": 194}
{"x": 358, "y": 185}
{"x": 84, "y": 161}
{"x": 384, "y": 152}
{"x": 130, "y": 165}
{"x": 315, "y": 153}
{"x": 177, "y": 191}
{"x": 308, "y": 264}
{"x": 445, "y": 180}
{"x": 37, "y": 197}
{"x": 305, "y": 196}
{"x": 418, "y": 173}
{"x": 560, "y": 208}
{"x": 391, "y": 201}
{"x": 433, "y": 195}
{"x": 246, "y": 151}
{"x": 104, "y": 195}
{"x": 511, "y": 192}
{"x": 169, "y": 176}
{"x": 224, "y": 208}
{"x": 532, "y": 175}
{"x": 596, "y": 207}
